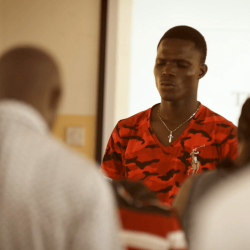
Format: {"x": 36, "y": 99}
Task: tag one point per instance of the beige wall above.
{"x": 69, "y": 29}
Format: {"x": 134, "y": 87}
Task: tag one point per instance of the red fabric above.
{"x": 135, "y": 153}
{"x": 152, "y": 223}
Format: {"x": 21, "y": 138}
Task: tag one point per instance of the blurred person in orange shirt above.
{"x": 146, "y": 223}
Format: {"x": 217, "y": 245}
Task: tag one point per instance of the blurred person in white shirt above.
{"x": 221, "y": 219}
{"x": 50, "y": 198}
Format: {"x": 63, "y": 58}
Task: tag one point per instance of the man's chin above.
{"x": 169, "y": 98}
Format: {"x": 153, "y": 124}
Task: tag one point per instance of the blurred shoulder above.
{"x": 57, "y": 157}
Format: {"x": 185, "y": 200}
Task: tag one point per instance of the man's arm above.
{"x": 112, "y": 164}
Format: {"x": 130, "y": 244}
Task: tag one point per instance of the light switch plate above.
{"x": 75, "y": 136}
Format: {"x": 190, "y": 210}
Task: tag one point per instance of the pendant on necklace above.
{"x": 170, "y": 137}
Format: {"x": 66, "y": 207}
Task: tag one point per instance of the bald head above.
{"x": 31, "y": 75}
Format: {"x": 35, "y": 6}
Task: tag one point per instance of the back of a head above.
{"x": 31, "y": 75}
{"x": 190, "y": 34}
{"x": 244, "y": 122}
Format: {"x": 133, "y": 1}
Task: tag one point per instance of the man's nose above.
{"x": 168, "y": 69}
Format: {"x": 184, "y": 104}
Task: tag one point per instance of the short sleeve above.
{"x": 229, "y": 149}
{"x": 112, "y": 163}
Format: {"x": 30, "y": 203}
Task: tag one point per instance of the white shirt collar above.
{"x": 22, "y": 112}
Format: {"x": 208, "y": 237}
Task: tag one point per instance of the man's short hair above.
{"x": 188, "y": 33}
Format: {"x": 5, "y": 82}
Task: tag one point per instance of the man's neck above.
{"x": 179, "y": 111}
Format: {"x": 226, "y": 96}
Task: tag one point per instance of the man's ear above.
{"x": 203, "y": 70}
{"x": 55, "y": 98}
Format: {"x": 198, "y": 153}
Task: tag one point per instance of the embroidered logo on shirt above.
{"x": 195, "y": 163}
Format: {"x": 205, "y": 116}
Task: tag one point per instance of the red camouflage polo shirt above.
{"x": 135, "y": 153}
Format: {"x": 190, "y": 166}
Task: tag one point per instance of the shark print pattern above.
{"x": 135, "y": 153}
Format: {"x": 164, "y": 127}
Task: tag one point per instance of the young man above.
{"x": 178, "y": 137}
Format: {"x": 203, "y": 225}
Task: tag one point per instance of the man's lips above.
{"x": 167, "y": 83}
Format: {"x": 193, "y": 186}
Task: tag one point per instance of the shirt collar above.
{"x": 24, "y": 113}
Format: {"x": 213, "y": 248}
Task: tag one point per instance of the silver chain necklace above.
{"x": 171, "y": 132}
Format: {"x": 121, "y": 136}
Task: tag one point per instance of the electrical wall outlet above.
{"x": 75, "y": 136}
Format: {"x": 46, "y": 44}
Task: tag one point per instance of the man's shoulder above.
{"x": 57, "y": 155}
{"x": 132, "y": 126}
{"x": 74, "y": 171}
{"x": 135, "y": 120}
{"x": 210, "y": 116}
